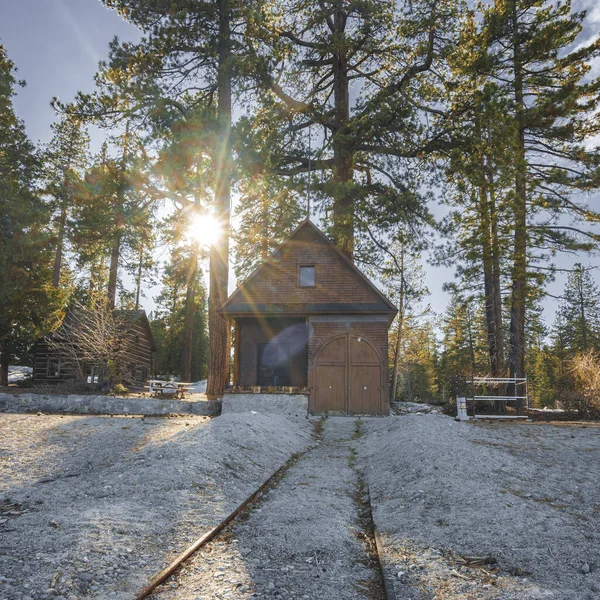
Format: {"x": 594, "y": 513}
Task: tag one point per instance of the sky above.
{"x": 57, "y": 44}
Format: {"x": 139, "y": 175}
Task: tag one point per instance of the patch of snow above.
{"x": 19, "y": 373}
{"x": 400, "y": 408}
{"x": 199, "y": 387}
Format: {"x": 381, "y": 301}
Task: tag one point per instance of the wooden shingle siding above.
{"x": 343, "y": 314}
{"x": 276, "y": 282}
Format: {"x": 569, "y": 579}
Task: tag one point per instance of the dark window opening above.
{"x": 53, "y": 367}
{"x": 307, "y": 276}
{"x": 274, "y": 362}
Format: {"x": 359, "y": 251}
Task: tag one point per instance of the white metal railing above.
{"x": 518, "y": 384}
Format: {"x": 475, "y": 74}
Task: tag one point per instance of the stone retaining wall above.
{"x": 105, "y": 405}
{"x": 283, "y": 404}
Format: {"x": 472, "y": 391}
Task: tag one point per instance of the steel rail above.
{"x": 388, "y": 586}
{"x": 202, "y": 541}
{"x": 207, "y": 537}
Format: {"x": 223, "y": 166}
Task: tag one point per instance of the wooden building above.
{"x": 50, "y": 366}
{"x": 308, "y": 318}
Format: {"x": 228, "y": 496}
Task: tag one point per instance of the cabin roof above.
{"x": 138, "y": 316}
{"x": 272, "y": 288}
{"x": 128, "y": 317}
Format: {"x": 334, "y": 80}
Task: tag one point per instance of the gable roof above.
{"x": 128, "y": 317}
{"x": 242, "y": 301}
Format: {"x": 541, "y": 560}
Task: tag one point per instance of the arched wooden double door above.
{"x": 347, "y": 377}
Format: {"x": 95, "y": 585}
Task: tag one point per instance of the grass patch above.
{"x": 358, "y": 430}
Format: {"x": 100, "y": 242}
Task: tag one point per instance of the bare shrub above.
{"x": 97, "y": 338}
{"x": 585, "y": 396}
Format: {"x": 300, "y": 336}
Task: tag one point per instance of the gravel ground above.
{"x": 526, "y": 495}
{"x": 305, "y": 540}
{"x": 91, "y": 507}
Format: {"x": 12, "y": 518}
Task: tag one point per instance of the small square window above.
{"x": 307, "y": 276}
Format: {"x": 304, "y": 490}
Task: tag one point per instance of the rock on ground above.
{"x": 524, "y": 494}
{"x": 92, "y": 507}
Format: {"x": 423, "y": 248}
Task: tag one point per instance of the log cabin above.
{"x": 308, "y": 318}
{"x": 50, "y": 368}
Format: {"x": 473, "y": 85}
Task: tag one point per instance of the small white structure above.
{"x": 461, "y": 409}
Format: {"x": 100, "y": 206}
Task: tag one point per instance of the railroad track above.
{"x": 378, "y": 589}
{"x": 202, "y": 541}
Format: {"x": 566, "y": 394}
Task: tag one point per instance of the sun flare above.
{"x": 205, "y": 229}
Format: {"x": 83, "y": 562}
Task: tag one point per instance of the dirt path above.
{"x": 305, "y": 540}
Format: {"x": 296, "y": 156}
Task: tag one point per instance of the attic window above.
{"x": 307, "y": 276}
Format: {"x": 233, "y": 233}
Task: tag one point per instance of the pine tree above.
{"x": 367, "y": 142}
{"x": 191, "y": 61}
{"x": 65, "y": 161}
{"x": 579, "y": 312}
{"x": 168, "y": 322}
{"x": 112, "y": 219}
{"x": 402, "y": 276}
{"x": 464, "y": 340}
{"x": 530, "y": 52}
{"x": 267, "y": 213}
{"x": 522, "y": 159}
{"x": 479, "y": 174}
{"x": 29, "y": 304}
{"x": 418, "y": 379}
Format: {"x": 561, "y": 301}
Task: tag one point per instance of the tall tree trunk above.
{"x": 488, "y": 275}
{"x": 516, "y": 356}
{"x": 491, "y": 280}
{"x": 189, "y": 311}
{"x": 490, "y": 261}
{"x": 62, "y": 221}
{"x": 497, "y": 290}
{"x": 498, "y": 368}
{"x": 471, "y": 342}
{"x": 115, "y": 253}
{"x": 4, "y": 360}
{"x": 343, "y": 206}
{"x": 138, "y": 280}
{"x": 264, "y": 238}
{"x": 401, "y": 304}
{"x": 218, "y": 327}
{"x": 584, "y": 340}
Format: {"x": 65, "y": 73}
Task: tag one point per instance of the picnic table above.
{"x": 173, "y": 389}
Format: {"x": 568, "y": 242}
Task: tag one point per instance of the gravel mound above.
{"x": 91, "y": 507}
{"x": 524, "y": 495}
